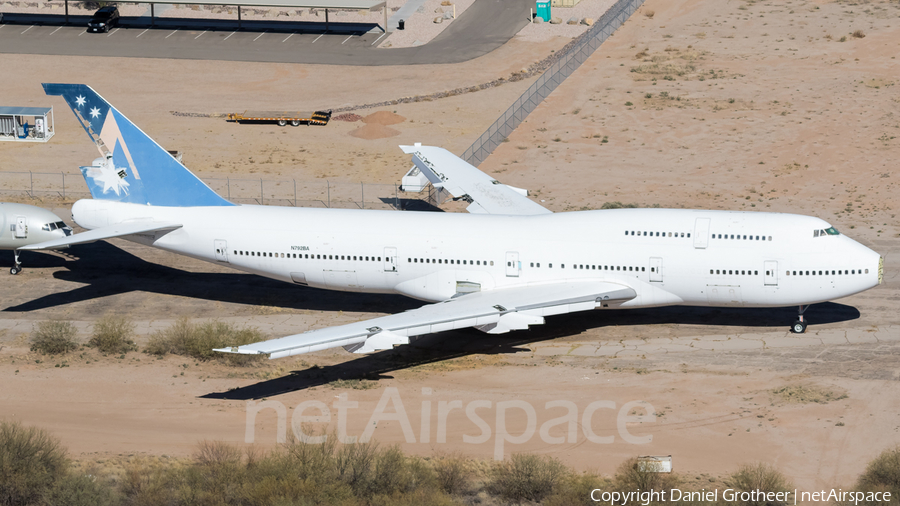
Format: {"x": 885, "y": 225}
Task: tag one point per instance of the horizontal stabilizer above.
{"x": 495, "y": 311}
{"x": 485, "y": 194}
{"x": 118, "y": 230}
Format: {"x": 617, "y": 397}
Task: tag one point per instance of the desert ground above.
{"x": 740, "y": 105}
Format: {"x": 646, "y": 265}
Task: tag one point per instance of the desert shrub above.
{"x": 54, "y": 338}
{"x": 31, "y": 462}
{"x": 112, "y": 334}
{"x": 81, "y": 490}
{"x": 858, "y": 34}
{"x": 759, "y": 476}
{"x": 198, "y": 340}
{"x": 883, "y": 473}
{"x": 617, "y": 205}
{"x": 453, "y": 473}
{"x": 576, "y": 490}
{"x": 809, "y": 393}
{"x": 527, "y": 478}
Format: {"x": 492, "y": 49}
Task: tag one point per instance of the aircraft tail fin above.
{"x": 133, "y": 168}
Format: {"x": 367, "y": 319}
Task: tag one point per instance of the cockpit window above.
{"x": 49, "y": 227}
{"x": 827, "y": 231}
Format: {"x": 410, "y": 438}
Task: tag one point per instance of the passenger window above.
{"x": 710, "y": 271}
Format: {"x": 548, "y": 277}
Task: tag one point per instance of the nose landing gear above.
{"x": 799, "y": 326}
{"x": 17, "y": 267}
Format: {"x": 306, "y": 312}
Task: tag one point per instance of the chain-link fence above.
{"x": 608, "y": 23}
{"x": 284, "y": 192}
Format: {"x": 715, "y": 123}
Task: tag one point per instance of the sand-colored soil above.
{"x": 740, "y": 105}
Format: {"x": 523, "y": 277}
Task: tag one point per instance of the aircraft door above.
{"x": 701, "y": 233}
{"x": 21, "y": 230}
{"x": 656, "y": 269}
{"x": 221, "y": 250}
{"x": 390, "y": 259}
{"x": 771, "y": 269}
{"x": 512, "y": 264}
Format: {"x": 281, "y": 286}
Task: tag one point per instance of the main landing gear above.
{"x": 799, "y": 326}
{"x": 17, "y": 267}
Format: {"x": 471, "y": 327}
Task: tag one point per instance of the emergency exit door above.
{"x": 221, "y": 250}
{"x": 21, "y": 230}
{"x": 512, "y": 264}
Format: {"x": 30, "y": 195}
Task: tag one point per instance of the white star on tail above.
{"x": 109, "y": 178}
{"x": 79, "y": 100}
{"x": 95, "y": 112}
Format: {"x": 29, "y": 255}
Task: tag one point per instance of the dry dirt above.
{"x": 737, "y": 105}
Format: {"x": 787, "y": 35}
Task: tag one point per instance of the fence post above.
{"x": 262, "y": 198}
{"x": 329, "y": 193}
{"x": 228, "y": 185}
{"x": 31, "y": 176}
{"x": 64, "y": 184}
{"x": 295, "y": 192}
{"x": 362, "y": 193}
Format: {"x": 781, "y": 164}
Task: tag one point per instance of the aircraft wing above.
{"x": 485, "y": 194}
{"x": 494, "y": 312}
{"x": 118, "y": 230}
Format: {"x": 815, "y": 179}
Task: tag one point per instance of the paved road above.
{"x": 483, "y": 27}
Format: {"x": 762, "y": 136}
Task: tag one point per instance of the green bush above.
{"x": 198, "y": 340}
{"x": 527, "y": 478}
{"x": 31, "y": 462}
{"x": 81, "y": 490}
{"x": 54, "y": 338}
{"x": 759, "y": 476}
{"x": 112, "y": 335}
{"x": 453, "y": 474}
{"x": 883, "y": 473}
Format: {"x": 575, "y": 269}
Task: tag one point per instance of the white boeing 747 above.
{"x": 506, "y": 265}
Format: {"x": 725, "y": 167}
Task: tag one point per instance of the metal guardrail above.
{"x": 608, "y": 23}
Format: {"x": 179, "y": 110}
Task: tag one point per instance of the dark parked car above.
{"x": 104, "y": 18}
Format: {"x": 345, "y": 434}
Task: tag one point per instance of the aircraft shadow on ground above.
{"x": 455, "y": 344}
{"x": 211, "y": 25}
{"x": 106, "y": 270}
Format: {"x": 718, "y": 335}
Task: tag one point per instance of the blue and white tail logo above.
{"x": 135, "y": 168}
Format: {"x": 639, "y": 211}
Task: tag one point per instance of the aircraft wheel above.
{"x": 282, "y": 122}
{"x": 798, "y": 327}
{"x": 295, "y": 122}
{"x": 15, "y": 270}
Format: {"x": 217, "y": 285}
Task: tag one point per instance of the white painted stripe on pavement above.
{"x": 171, "y": 34}
{"x": 142, "y": 33}
{"x": 258, "y": 36}
{"x": 289, "y": 36}
{"x": 112, "y": 32}
{"x": 230, "y": 34}
{"x": 317, "y": 38}
{"x": 201, "y": 34}
{"x": 379, "y": 38}
{"x": 29, "y": 28}
{"x": 54, "y": 31}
